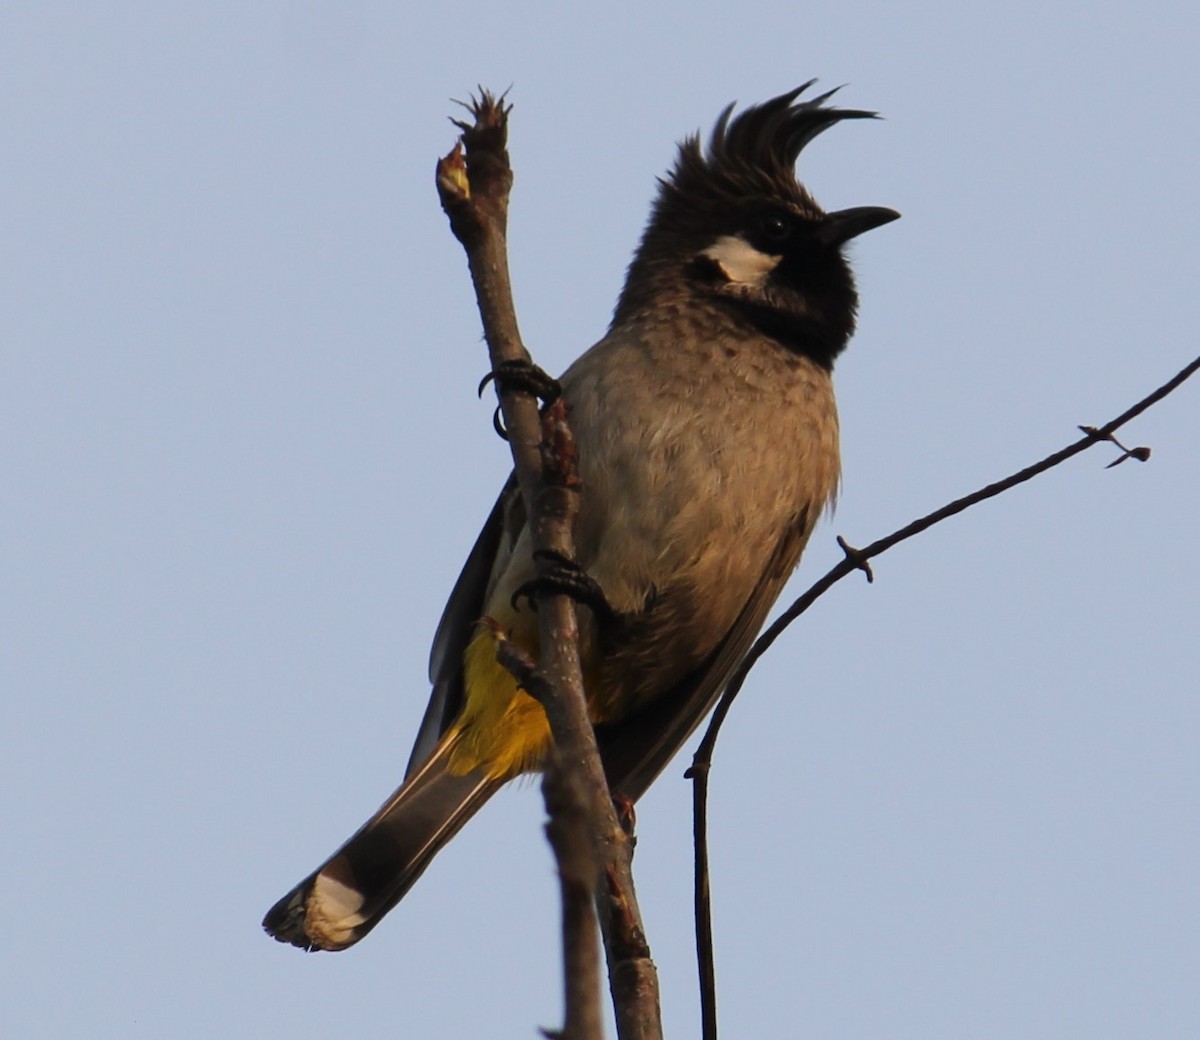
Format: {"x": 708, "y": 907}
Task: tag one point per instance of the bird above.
{"x": 707, "y": 439}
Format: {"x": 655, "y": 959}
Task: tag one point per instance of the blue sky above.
{"x": 243, "y": 462}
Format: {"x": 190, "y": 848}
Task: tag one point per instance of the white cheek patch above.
{"x": 740, "y": 262}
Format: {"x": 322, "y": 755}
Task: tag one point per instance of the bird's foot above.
{"x": 523, "y": 375}
{"x": 558, "y": 573}
{"x": 520, "y": 375}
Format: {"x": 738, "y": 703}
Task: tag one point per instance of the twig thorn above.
{"x": 857, "y": 558}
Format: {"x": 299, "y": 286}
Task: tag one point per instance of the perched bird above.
{"x": 707, "y": 438}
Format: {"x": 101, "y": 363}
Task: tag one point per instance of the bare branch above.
{"x": 473, "y": 182}
{"x": 569, "y": 833}
{"x": 858, "y": 559}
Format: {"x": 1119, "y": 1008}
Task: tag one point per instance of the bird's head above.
{"x": 732, "y": 228}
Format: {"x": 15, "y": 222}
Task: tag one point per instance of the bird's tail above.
{"x": 348, "y": 895}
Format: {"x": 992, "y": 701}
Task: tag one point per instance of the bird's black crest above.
{"x": 753, "y": 153}
{"x": 748, "y": 167}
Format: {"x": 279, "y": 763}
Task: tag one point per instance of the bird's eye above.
{"x": 775, "y": 228}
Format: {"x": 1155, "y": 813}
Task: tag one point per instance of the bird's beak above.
{"x": 838, "y": 228}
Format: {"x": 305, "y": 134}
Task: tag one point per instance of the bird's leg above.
{"x": 626, "y": 815}
{"x": 557, "y": 573}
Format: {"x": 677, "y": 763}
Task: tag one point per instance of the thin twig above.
{"x": 568, "y": 831}
{"x": 473, "y": 183}
{"x": 857, "y": 559}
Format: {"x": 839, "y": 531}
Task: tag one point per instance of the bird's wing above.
{"x": 457, "y": 625}
{"x": 636, "y": 749}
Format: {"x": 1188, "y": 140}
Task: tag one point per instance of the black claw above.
{"x": 523, "y": 375}
{"x": 564, "y": 576}
{"x": 520, "y": 375}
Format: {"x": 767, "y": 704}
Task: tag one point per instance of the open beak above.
{"x": 838, "y": 228}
